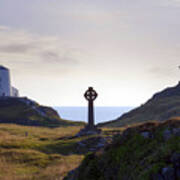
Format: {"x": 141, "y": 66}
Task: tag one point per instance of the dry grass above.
{"x": 146, "y": 126}
{"x": 150, "y": 125}
{"x": 11, "y": 129}
{"x": 24, "y": 153}
{"x": 38, "y": 153}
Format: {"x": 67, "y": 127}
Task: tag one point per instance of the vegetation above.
{"x": 27, "y": 112}
{"x": 133, "y": 156}
{"x": 28, "y": 153}
{"x": 40, "y": 153}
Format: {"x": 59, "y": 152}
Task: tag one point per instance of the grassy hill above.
{"x": 150, "y": 151}
{"x": 41, "y": 153}
{"x": 27, "y": 112}
{"x": 160, "y": 107}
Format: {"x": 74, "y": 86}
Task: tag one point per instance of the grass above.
{"x": 34, "y": 114}
{"x": 132, "y": 156}
{"x": 40, "y": 153}
{"x": 30, "y": 153}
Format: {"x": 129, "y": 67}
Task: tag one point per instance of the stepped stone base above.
{"x": 88, "y": 130}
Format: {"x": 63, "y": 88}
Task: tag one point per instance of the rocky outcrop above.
{"x": 147, "y": 151}
{"x": 170, "y": 172}
{"x": 92, "y": 144}
{"x": 86, "y": 131}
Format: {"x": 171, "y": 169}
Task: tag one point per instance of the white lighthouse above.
{"x": 5, "y": 83}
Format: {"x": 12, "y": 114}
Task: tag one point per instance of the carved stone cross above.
{"x": 90, "y": 96}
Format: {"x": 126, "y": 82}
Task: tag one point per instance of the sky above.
{"x": 55, "y": 49}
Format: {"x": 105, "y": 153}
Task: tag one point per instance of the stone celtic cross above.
{"x": 90, "y": 96}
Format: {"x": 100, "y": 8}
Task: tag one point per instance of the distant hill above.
{"x": 160, "y": 107}
{"x": 24, "y": 111}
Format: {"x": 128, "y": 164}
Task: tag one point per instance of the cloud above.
{"x": 27, "y": 49}
{"x": 171, "y": 3}
{"x": 3, "y": 28}
{"x": 174, "y": 1}
{"x": 17, "y": 48}
{"x": 54, "y": 57}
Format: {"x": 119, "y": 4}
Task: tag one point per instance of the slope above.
{"x": 161, "y": 107}
{"x": 27, "y": 112}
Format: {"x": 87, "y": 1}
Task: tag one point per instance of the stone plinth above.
{"x": 88, "y": 131}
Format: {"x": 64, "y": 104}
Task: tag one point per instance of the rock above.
{"x": 178, "y": 173}
{"x": 81, "y": 144}
{"x": 111, "y": 173}
{"x": 146, "y": 134}
{"x": 88, "y": 131}
{"x": 127, "y": 132}
{"x": 176, "y": 131}
{"x": 92, "y": 149}
{"x": 102, "y": 142}
{"x": 168, "y": 173}
{"x": 100, "y": 145}
{"x": 91, "y": 144}
{"x": 28, "y": 101}
{"x": 71, "y": 175}
{"x": 175, "y": 159}
{"x": 157, "y": 177}
{"x": 167, "y": 134}
{"x": 85, "y": 133}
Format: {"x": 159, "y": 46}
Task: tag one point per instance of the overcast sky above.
{"x": 126, "y": 49}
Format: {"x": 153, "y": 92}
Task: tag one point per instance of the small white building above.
{"x": 5, "y": 83}
{"x": 14, "y": 92}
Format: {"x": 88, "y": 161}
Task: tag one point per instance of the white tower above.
{"x": 5, "y": 86}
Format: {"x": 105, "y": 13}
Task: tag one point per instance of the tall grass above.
{"x": 25, "y": 154}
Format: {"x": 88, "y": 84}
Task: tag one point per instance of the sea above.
{"x": 101, "y": 114}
